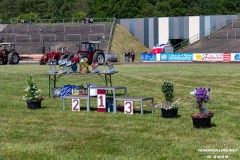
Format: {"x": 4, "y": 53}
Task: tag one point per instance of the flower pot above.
{"x": 170, "y": 113}
{"x": 34, "y": 105}
{"x": 202, "y": 122}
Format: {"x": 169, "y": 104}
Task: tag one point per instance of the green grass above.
{"x": 123, "y": 41}
{"x": 51, "y": 133}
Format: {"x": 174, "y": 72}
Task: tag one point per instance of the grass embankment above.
{"x": 124, "y": 41}
{"x": 51, "y": 133}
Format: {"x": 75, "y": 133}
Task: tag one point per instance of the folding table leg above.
{"x": 141, "y": 107}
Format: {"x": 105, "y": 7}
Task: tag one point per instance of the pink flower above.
{"x": 202, "y": 115}
{"x": 195, "y": 115}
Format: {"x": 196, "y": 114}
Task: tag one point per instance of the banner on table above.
{"x": 148, "y": 57}
{"x": 208, "y": 57}
{"x": 182, "y": 57}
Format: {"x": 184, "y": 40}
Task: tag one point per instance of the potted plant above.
{"x": 203, "y": 118}
{"x": 32, "y": 94}
{"x": 169, "y": 107}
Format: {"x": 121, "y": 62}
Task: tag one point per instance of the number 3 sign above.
{"x": 128, "y": 107}
{"x": 75, "y": 104}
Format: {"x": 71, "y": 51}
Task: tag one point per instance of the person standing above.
{"x": 125, "y": 56}
{"x": 128, "y": 56}
{"x": 132, "y": 55}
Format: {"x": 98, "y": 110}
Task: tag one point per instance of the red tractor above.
{"x": 8, "y": 54}
{"x": 90, "y": 50}
{"x": 57, "y": 55}
{"x": 87, "y": 49}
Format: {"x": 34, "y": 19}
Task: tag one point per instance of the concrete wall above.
{"x": 151, "y": 31}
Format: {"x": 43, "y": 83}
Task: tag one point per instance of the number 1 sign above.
{"x": 128, "y": 107}
{"x": 75, "y": 104}
{"x": 101, "y": 97}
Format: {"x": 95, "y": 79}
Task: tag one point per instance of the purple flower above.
{"x": 201, "y": 95}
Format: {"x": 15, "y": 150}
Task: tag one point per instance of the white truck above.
{"x": 162, "y": 48}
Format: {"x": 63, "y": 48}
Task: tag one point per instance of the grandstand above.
{"x": 29, "y": 37}
{"x": 224, "y": 40}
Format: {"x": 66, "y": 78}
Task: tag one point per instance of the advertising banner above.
{"x": 226, "y": 57}
{"x": 208, "y": 57}
{"x": 158, "y": 56}
{"x": 235, "y": 57}
{"x": 148, "y": 57}
{"x": 176, "y": 57}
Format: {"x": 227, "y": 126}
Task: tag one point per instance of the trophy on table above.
{"x": 111, "y": 68}
{"x": 52, "y": 66}
{"x": 62, "y": 65}
{"x": 95, "y": 67}
{"x": 75, "y": 60}
{"x": 69, "y": 67}
{"x": 108, "y": 67}
{"x": 83, "y": 66}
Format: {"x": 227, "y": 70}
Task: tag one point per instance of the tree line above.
{"x": 57, "y": 9}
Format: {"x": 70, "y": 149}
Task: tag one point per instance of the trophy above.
{"x": 75, "y": 60}
{"x": 111, "y": 68}
{"x": 105, "y": 67}
{"x": 69, "y": 66}
{"x": 83, "y": 66}
{"x": 95, "y": 68}
{"x": 52, "y": 66}
{"x": 62, "y": 65}
{"x": 108, "y": 67}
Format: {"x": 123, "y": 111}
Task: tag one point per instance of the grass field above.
{"x": 51, "y": 133}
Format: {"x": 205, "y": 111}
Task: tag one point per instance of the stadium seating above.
{"x": 29, "y": 37}
{"x": 224, "y": 40}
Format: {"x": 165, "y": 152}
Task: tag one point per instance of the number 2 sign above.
{"x": 75, "y": 104}
{"x": 128, "y": 107}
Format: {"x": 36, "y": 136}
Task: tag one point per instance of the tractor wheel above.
{"x": 41, "y": 62}
{"x": 13, "y": 58}
{"x": 3, "y": 61}
{"x": 99, "y": 57}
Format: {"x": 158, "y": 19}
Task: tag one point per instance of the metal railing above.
{"x": 203, "y": 34}
{"x": 61, "y": 21}
{"x": 111, "y": 35}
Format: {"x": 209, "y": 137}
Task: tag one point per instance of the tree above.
{"x": 116, "y": 8}
{"x": 8, "y": 10}
{"x": 230, "y": 7}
